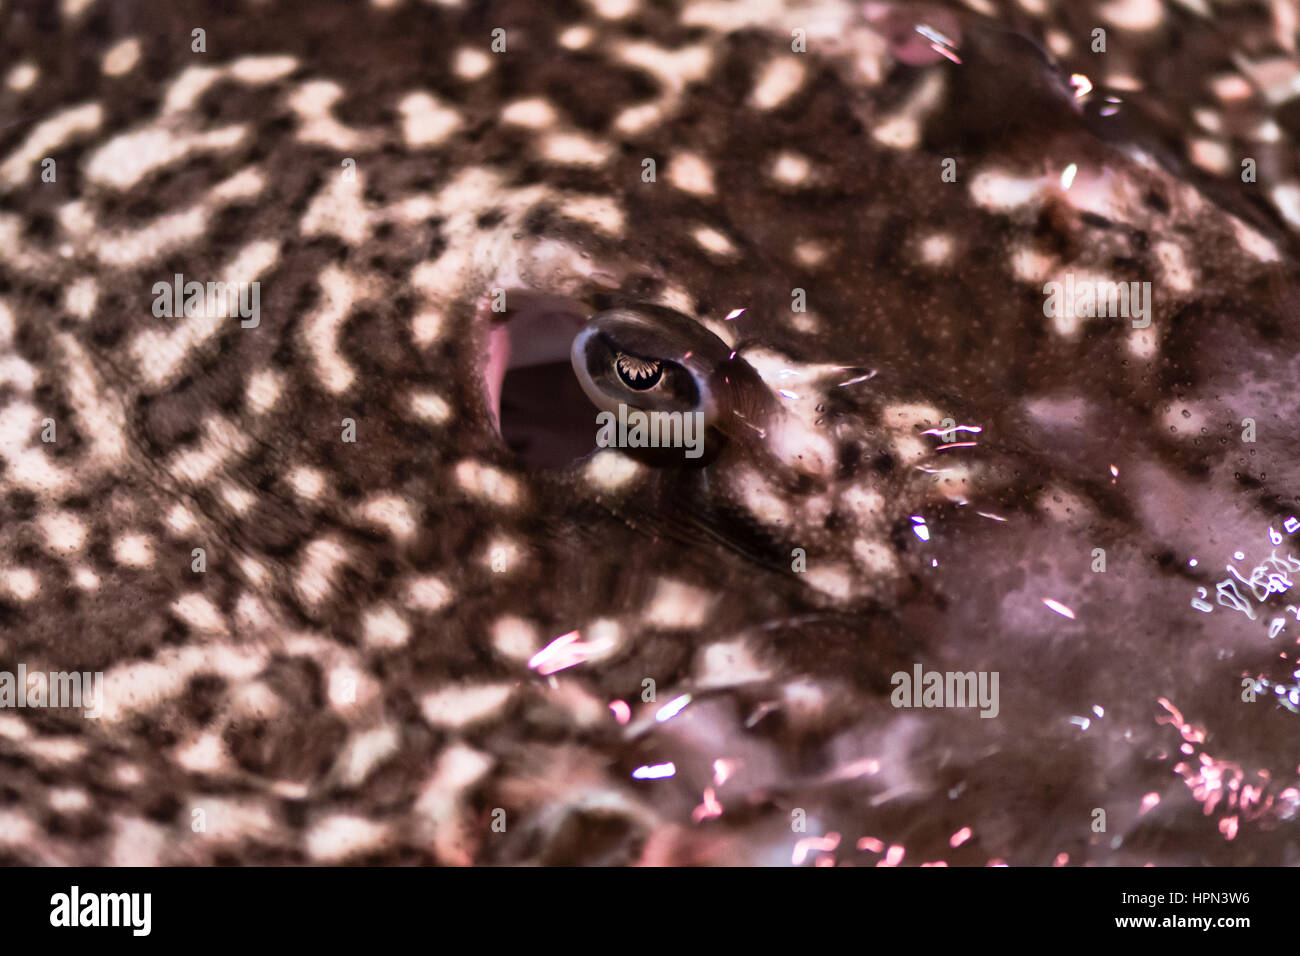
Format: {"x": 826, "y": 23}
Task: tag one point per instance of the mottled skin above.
{"x": 349, "y": 679}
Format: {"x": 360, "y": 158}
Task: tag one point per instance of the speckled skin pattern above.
{"x": 352, "y": 676}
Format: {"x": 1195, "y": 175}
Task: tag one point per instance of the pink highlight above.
{"x": 893, "y": 857}
{"x": 709, "y": 809}
{"x": 808, "y": 845}
{"x": 565, "y": 651}
{"x": 960, "y": 837}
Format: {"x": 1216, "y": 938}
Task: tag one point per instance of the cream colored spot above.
{"x": 575, "y": 38}
{"x": 1001, "y": 191}
{"x": 257, "y": 70}
{"x": 1144, "y": 343}
{"x": 69, "y": 800}
{"x": 1266, "y": 132}
{"x": 713, "y": 241}
{"x": 180, "y": 520}
{"x": 898, "y": 132}
{"x": 28, "y": 465}
{"x": 867, "y": 503}
{"x": 133, "y": 551}
{"x": 21, "y": 77}
{"x": 426, "y": 121}
{"x": 1064, "y": 506}
{"x": 515, "y": 639}
{"x": 613, "y": 9}
{"x": 199, "y": 613}
{"x": 728, "y": 664}
{"x": 71, "y": 9}
{"x": 239, "y": 500}
{"x": 534, "y": 113}
{"x": 312, "y": 101}
{"x": 46, "y": 137}
{"x": 308, "y": 483}
{"x": 909, "y": 448}
{"x": 1059, "y": 43}
{"x": 470, "y": 63}
{"x": 1286, "y": 197}
{"x": 790, "y": 169}
{"x": 637, "y": 119}
{"x": 902, "y": 130}
{"x": 204, "y": 754}
{"x": 221, "y": 440}
{"x": 1231, "y": 86}
{"x": 575, "y": 149}
{"x": 1253, "y": 243}
{"x": 127, "y": 158}
{"x": 320, "y": 329}
{"x": 391, "y": 513}
{"x": 350, "y": 689}
{"x": 761, "y": 500}
{"x": 1030, "y": 265}
{"x": 610, "y": 470}
{"x": 603, "y": 638}
{"x": 339, "y": 837}
{"x": 364, "y": 751}
{"x": 831, "y": 580}
{"x": 875, "y": 556}
{"x": 339, "y": 209}
{"x": 1136, "y": 15}
{"x": 501, "y": 555}
{"x": 384, "y": 627}
{"x": 1178, "y": 275}
{"x": 426, "y": 327}
{"x": 121, "y": 58}
{"x": 1211, "y": 155}
{"x": 22, "y": 583}
{"x": 430, "y": 407}
{"x": 778, "y": 81}
{"x": 810, "y": 252}
{"x": 599, "y": 211}
{"x": 264, "y": 389}
{"x": 428, "y": 593}
{"x": 458, "y": 707}
{"x": 81, "y": 297}
{"x": 678, "y": 606}
{"x": 318, "y": 568}
{"x": 64, "y": 531}
{"x": 17, "y": 829}
{"x": 489, "y": 484}
{"x": 936, "y": 249}
{"x": 690, "y": 173}
{"x": 1208, "y": 119}
{"x": 86, "y": 579}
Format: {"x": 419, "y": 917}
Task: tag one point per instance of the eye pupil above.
{"x": 638, "y": 373}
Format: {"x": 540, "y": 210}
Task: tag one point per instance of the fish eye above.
{"x": 645, "y": 358}
{"x": 638, "y": 374}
